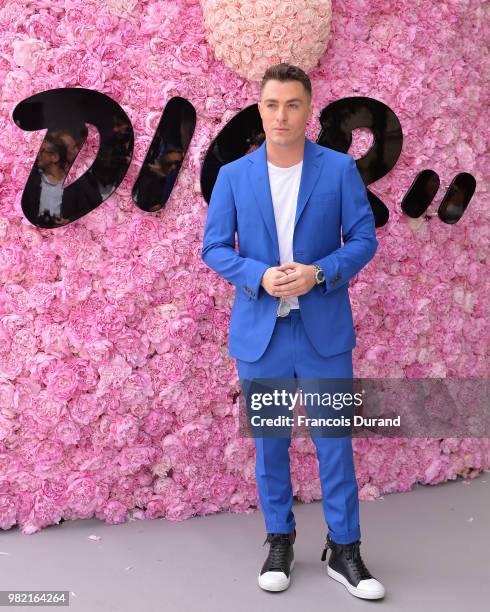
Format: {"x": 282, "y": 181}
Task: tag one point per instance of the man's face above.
{"x": 120, "y": 128}
{"x": 170, "y": 161}
{"x": 284, "y": 105}
{"x": 71, "y": 147}
{"x": 47, "y": 156}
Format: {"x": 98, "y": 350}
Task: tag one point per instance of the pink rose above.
{"x": 157, "y": 424}
{"x": 167, "y": 368}
{"x": 28, "y": 52}
{"x": 192, "y": 57}
{"x": 222, "y": 487}
{"x": 90, "y": 72}
{"x": 113, "y": 375}
{"x": 194, "y": 435}
{"x": 47, "y": 454}
{"x": 142, "y": 496}
{"x": 124, "y": 430}
{"x": 67, "y": 432}
{"x": 182, "y": 328}
{"x": 82, "y": 492}
{"x": 7, "y": 511}
{"x": 161, "y": 257}
{"x": 62, "y": 382}
{"x": 156, "y": 507}
{"x": 114, "y": 512}
{"x": 198, "y": 304}
{"x": 130, "y": 460}
{"x": 179, "y": 511}
{"x": 85, "y": 409}
{"x": 109, "y": 321}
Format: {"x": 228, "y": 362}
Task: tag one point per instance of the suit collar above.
{"x": 259, "y": 182}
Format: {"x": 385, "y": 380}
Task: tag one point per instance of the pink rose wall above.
{"x": 117, "y": 394}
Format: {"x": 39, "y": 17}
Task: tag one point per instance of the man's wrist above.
{"x": 319, "y": 274}
{"x": 261, "y": 284}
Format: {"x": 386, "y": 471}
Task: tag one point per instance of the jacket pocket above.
{"x": 327, "y": 198}
{"x": 241, "y": 295}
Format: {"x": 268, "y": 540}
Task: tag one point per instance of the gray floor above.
{"x": 430, "y": 548}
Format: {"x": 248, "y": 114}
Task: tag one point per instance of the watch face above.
{"x": 320, "y": 276}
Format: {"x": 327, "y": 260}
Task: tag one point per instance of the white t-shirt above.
{"x": 51, "y": 196}
{"x": 284, "y": 183}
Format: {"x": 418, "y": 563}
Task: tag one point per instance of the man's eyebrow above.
{"x": 292, "y": 100}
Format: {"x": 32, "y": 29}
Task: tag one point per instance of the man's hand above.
{"x": 297, "y": 279}
{"x": 271, "y": 275}
{"x": 60, "y": 220}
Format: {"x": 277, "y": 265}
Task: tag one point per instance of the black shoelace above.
{"x": 278, "y": 553}
{"x": 352, "y": 555}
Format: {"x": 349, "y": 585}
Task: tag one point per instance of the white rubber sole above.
{"x": 356, "y": 591}
{"x": 281, "y": 585}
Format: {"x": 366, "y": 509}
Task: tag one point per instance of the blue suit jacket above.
{"x": 331, "y": 196}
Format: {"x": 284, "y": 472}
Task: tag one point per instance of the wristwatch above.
{"x": 319, "y": 275}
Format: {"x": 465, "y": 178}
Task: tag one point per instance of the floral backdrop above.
{"x": 117, "y": 394}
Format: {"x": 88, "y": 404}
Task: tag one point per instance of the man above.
{"x": 43, "y": 194}
{"x": 156, "y": 179}
{"x": 292, "y": 316}
{"x": 46, "y": 202}
{"x": 72, "y": 142}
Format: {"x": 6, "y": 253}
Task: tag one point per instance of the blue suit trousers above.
{"x": 291, "y": 355}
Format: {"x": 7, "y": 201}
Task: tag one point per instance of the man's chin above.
{"x": 281, "y": 139}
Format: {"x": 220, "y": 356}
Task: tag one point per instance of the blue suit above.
{"x": 331, "y": 195}
{"x": 311, "y": 343}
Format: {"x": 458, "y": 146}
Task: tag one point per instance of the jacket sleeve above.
{"x": 358, "y": 233}
{"x": 218, "y": 250}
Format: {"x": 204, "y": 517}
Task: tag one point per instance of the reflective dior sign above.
{"x": 65, "y": 113}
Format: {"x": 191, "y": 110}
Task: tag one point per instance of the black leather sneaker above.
{"x": 347, "y": 567}
{"x": 275, "y": 573}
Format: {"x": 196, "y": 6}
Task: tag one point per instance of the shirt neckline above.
{"x": 281, "y": 168}
{"x": 45, "y": 179}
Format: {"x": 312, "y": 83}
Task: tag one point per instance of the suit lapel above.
{"x": 259, "y": 183}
